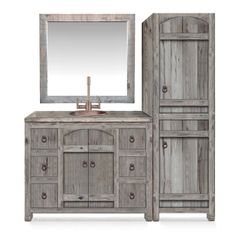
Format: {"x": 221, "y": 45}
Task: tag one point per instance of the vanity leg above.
{"x": 28, "y": 216}
{"x": 148, "y": 216}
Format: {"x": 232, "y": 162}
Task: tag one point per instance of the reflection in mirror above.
{"x": 75, "y": 46}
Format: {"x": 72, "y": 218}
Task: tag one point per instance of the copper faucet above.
{"x": 88, "y": 105}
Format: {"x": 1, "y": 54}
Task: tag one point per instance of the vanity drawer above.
{"x": 43, "y": 166}
{"x": 43, "y": 138}
{"x": 132, "y": 195}
{"x": 132, "y": 166}
{"x": 132, "y": 139}
{"x": 43, "y": 195}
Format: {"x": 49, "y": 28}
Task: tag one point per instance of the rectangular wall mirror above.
{"x": 75, "y": 46}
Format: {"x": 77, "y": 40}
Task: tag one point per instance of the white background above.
{"x": 19, "y": 91}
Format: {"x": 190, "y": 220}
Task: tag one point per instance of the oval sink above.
{"x": 87, "y": 113}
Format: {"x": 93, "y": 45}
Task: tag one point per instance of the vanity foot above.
{"x": 29, "y": 217}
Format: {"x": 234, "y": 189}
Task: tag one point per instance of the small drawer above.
{"x": 43, "y": 138}
{"x": 132, "y": 195}
{"x": 131, "y": 139}
{"x": 132, "y": 166}
{"x": 43, "y": 195}
{"x": 43, "y": 166}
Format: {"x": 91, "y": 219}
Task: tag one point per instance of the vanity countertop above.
{"x": 110, "y": 116}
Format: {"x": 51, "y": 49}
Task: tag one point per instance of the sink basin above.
{"x": 87, "y": 113}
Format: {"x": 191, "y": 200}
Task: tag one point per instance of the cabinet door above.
{"x": 101, "y": 176}
{"x": 183, "y": 61}
{"x": 76, "y": 175}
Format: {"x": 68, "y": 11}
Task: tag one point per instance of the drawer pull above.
{"x": 80, "y": 197}
{"x": 44, "y": 196}
{"x": 85, "y": 164}
{"x": 164, "y": 145}
{"x": 164, "y": 89}
{"x": 44, "y": 139}
{"x": 131, "y": 139}
{"x": 131, "y": 167}
{"x": 44, "y": 167}
{"x": 131, "y": 196}
{"x": 92, "y": 164}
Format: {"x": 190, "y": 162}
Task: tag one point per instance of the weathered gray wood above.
{"x": 43, "y": 138}
{"x": 184, "y": 36}
{"x": 45, "y": 18}
{"x": 132, "y": 195}
{"x": 183, "y": 196}
{"x": 211, "y": 64}
{"x": 101, "y": 174}
{"x": 189, "y": 116}
{"x": 76, "y": 173}
{"x": 28, "y": 214}
{"x": 43, "y": 166}
{"x": 132, "y": 139}
{"x": 192, "y": 133}
{"x": 50, "y": 179}
{"x": 43, "y": 195}
{"x": 77, "y": 137}
{"x": 43, "y": 152}
{"x": 183, "y": 209}
{"x": 75, "y": 148}
{"x": 129, "y": 210}
{"x": 182, "y": 102}
{"x": 132, "y": 166}
{"x": 127, "y": 153}
{"x": 132, "y": 180}
{"x": 184, "y": 203}
{"x": 101, "y": 204}
{"x": 116, "y": 167}
{"x": 76, "y": 198}
{"x": 60, "y": 168}
{"x": 110, "y": 116}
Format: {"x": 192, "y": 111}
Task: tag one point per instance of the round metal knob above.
{"x": 80, "y": 197}
{"x": 164, "y": 89}
{"x": 131, "y": 196}
{"x": 131, "y": 167}
{"x": 44, "y": 167}
{"x": 92, "y": 164}
{"x": 44, "y": 139}
{"x": 44, "y": 196}
{"x": 164, "y": 145}
{"x": 85, "y": 164}
{"x": 131, "y": 139}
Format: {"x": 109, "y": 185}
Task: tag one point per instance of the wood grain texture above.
{"x": 45, "y": 18}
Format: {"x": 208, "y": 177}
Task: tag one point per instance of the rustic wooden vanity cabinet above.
{"x": 81, "y": 164}
{"x": 178, "y": 92}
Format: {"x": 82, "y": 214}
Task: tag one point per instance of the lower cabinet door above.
{"x": 132, "y": 195}
{"x": 101, "y": 176}
{"x": 43, "y": 195}
{"x": 76, "y": 177}
{"x": 183, "y": 169}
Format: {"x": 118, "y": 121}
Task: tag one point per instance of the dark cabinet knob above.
{"x": 92, "y": 164}
{"x": 131, "y": 196}
{"x": 44, "y": 196}
{"x": 131, "y": 167}
{"x": 164, "y": 89}
{"x": 164, "y": 145}
{"x": 80, "y": 197}
{"x": 85, "y": 164}
{"x": 44, "y": 139}
{"x": 131, "y": 139}
{"x": 44, "y": 167}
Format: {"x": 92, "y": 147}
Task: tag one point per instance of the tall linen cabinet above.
{"x": 178, "y": 92}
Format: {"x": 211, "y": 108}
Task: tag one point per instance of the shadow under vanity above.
{"x": 158, "y": 160}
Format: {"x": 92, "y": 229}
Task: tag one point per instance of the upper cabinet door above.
{"x": 184, "y": 58}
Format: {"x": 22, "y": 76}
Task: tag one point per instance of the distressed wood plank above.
{"x": 182, "y": 102}
{"x": 184, "y": 36}
{"x": 181, "y": 196}
{"x": 192, "y": 133}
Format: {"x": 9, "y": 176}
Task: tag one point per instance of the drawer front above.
{"x": 132, "y": 195}
{"x": 43, "y": 166}
{"x": 43, "y": 138}
{"x": 132, "y": 166}
{"x": 132, "y": 139}
{"x": 43, "y": 195}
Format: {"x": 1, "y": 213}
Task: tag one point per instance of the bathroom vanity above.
{"x": 79, "y": 164}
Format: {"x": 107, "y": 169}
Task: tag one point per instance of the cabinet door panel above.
{"x": 76, "y": 137}
{"x": 76, "y": 173}
{"x": 101, "y": 174}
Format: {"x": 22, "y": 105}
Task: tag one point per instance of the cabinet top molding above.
{"x": 110, "y": 116}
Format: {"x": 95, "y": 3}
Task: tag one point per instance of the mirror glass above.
{"x": 75, "y": 46}
{"x": 80, "y": 49}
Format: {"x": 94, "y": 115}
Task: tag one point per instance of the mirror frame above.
{"x": 46, "y": 18}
